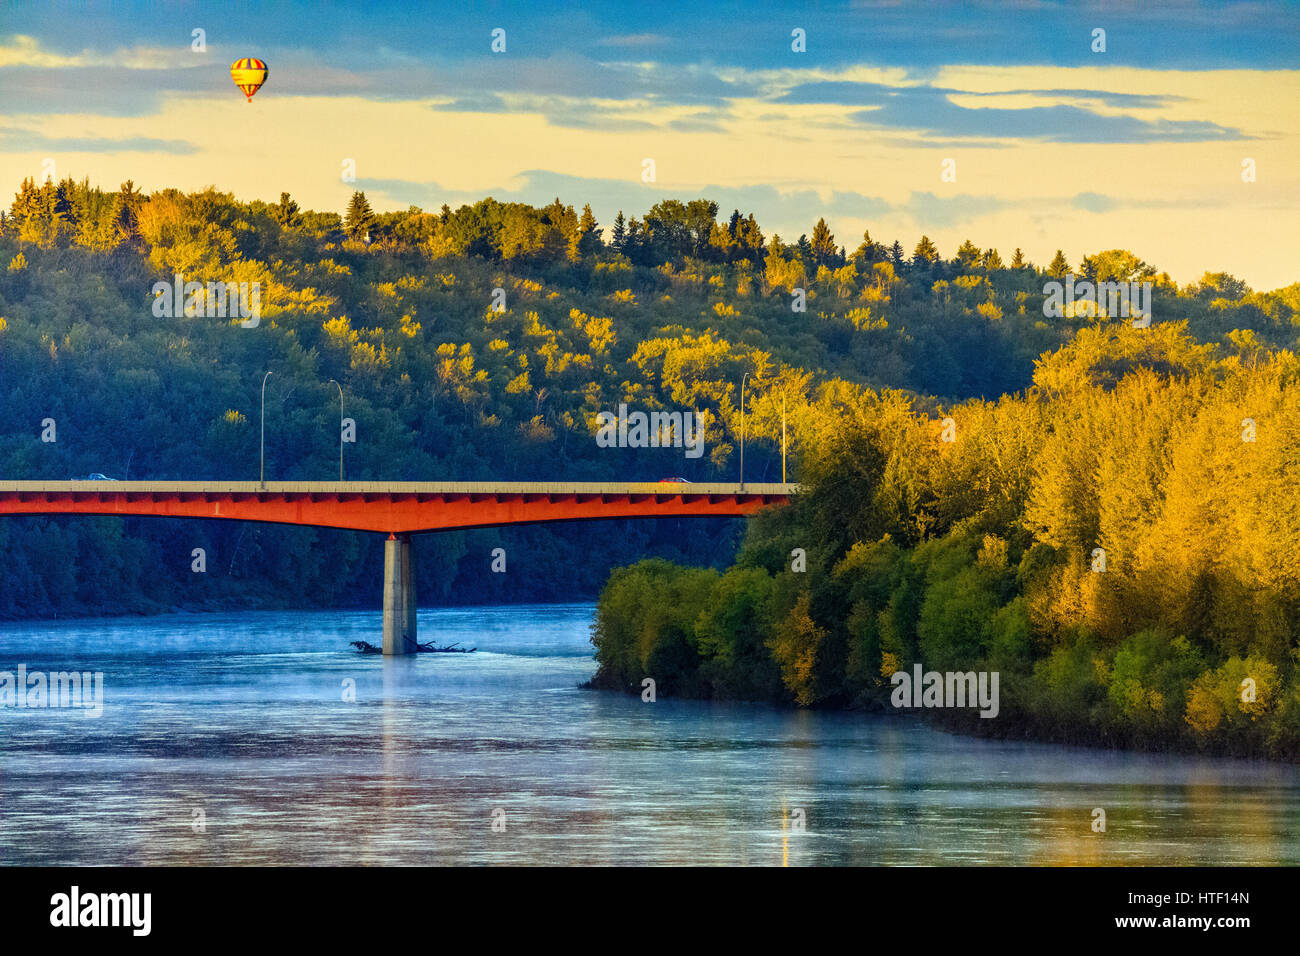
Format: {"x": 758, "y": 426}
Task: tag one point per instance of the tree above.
{"x": 1018, "y": 260}
{"x": 634, "y": 244}
{"x": 589, "y": 241}
{"x": 1221, "y": 285}
{"x": 675, "y": 229}
{"x": 803, "y": 249}
{"x": 25, "y": 205}
{"x": 125, "y": 216}
{"x": 1115, "y": 265}
{"x": 64, "y": 211}
{"x": 991, "y": 260}
{"x": 824, "y": 250}
{"x": 869, "y": 251}
{"x": 618, "y": 235}
{"x": 286, "y": 213}
{"x": 359, "y": 218}
{"x": 968, "y": 255}
{"x": 925, "y": 254}
{"x": 750, "y": 240}
{"x": 1059, "y": 267}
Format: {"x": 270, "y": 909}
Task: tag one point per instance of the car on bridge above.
{"x": 92, "y": 477}
{"x": 682, "y": 481}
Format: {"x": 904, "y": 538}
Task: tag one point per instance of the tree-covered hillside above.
{"x": 477, "y": 343}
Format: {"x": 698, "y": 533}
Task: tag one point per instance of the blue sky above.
{"x": 1055, "y": 144}
{"x": 919, "y": 36}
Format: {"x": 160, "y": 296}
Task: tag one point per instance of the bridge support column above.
{"x": 399, "y": 596}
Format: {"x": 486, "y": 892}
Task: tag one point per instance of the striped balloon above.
{"x": 249, "y": 75}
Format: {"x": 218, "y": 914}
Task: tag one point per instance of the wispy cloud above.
{"x": 634, "y": 40}
{"x": 26, "y": 140}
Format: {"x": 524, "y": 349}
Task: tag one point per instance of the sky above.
{"x": 1052, "y": 143}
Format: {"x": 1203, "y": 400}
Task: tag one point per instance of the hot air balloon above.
{"x": 249, "y": 75}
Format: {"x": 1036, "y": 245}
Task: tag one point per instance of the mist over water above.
{"x": 243, "y": 717}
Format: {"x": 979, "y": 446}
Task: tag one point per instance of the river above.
{"x": 237, "y": 739}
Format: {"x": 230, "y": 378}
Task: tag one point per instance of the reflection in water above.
{"x": 246, "y": 718}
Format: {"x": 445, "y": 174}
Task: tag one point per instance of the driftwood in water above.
{"x": 428, "y": 648}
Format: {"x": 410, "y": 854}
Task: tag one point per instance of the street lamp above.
{"x": 742, "y": 430}
{"x": 783, "y": 438}
{"x": 261, "y": 474}
{"x": 340, "y": 388}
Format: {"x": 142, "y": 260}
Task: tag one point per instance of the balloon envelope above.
{"x": 249, "y": 75}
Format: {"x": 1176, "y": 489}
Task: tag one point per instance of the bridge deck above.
{"x": 396, "y": 507}
{"x": 407, "y": 487}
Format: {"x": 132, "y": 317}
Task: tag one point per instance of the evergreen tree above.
{"x": 896, "y": 254}
{"x": 869, "y": 251}
{"x": 589, "y": 233}
{"x": 734, "y": 224}
{"x": 803, "y": 249}
{"x": 991, "y": 260}
{"x": 1018, "y": 260}
{"x": 286, "y": 212}
{"x": 634, "y": 245}
{"x": 925, "y": 253}
{"x": 618, "y": 236}
{"x": 1059, "y": 266}
{"x": 823, "y": 248}
{"x": 751, "y": 239}
{"x": 63, "y": 207}
{"x": 125, "y": 216}
{"x": 722, "y": 244}
{"x": 26, "y": 204}
{"x": 359, "y": 219}
{"x": 968, "y": 255}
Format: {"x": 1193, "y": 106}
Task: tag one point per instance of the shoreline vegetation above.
{"x": 1118, "y": 542}
{"x": 1105, "y": 515}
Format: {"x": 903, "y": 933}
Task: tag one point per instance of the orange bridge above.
{"x": 398, "y": 508}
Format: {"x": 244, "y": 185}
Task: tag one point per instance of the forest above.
{"x": 966, "y": 460}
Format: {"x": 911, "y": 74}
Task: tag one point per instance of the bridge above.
{"x": 397, "y": 508}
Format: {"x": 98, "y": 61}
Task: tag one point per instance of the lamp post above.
{"x": 742, "y": 430}
{"x": 340, "y": 388}
{"x": 261, "y": 473}
{"x": 783, "y": 438}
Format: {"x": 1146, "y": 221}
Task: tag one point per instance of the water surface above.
{"x": 227, "y": 739}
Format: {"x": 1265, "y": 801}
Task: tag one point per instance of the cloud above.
{"x": 114, "y": 90}
{"x": 22, "y": 50}
{"x": 858, "y": 93}
{"x": 26, "y": 140}
{"x": 938, "y": 212}
{"x": 482, "y": 102}
{"x": 634, "y": 40}
{"x": 1093, "y": 202}
{"x": 930, "y": 110}
{"x": 938, "y": 116}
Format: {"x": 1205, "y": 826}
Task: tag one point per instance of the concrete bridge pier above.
{"x": 399, "y": 596}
